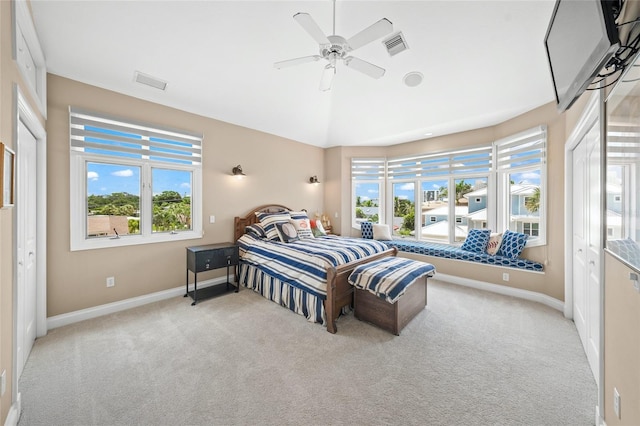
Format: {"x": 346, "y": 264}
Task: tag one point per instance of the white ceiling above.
{"x": 483, "y": 61}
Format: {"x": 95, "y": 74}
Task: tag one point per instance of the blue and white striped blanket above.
{"x": 303, "y": 264}
{"x": 390, "y": 277}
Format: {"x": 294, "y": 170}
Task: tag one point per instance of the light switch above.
{"x": 212, "y": 219}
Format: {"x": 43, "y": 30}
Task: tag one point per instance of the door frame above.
{"x": 23, "y": 112}
{"x": 594, "y": 110}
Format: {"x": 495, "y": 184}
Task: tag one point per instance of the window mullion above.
{"x": 146, "y": 202}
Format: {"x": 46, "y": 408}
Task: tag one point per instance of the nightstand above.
{"x": 207, "y": 258}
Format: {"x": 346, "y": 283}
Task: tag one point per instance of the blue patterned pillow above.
{"x": 477, "y": 240}
{"x": 512, "y": 244}
{"x": 367, "y": 230}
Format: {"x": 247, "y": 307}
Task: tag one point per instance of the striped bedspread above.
{"x": 389, "y": 278}
{"x": 303, "y": 264}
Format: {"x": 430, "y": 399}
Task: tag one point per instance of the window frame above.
{"x": 373, "y": 173}
{"x": 78, "y": 194}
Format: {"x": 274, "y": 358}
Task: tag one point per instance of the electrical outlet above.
{"x": 616, "y": 402}
{"x": 3, "y": 385}
{"x": 505, "y": 276}
{"x": 111, "y": 281}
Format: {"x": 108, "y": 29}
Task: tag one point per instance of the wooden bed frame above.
{"x": 339, "y": 291}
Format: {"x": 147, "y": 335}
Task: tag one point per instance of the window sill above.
{"x": 133, "y": 240}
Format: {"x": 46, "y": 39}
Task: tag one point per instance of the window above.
{"x": 367, "y": 176}
{"x": 404, "y": 208}
{"x": 521, "y": 171}
{"x": 453, "y": 189}
{"x": 499, "y": 185}
{"x": 132, "y": 183}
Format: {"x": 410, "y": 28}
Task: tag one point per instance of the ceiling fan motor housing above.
{"x": 337, "y": 48}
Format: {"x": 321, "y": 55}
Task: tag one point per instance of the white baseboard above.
{"x": 501, "y": 289}
{"x": 14, "y": 412}
{"x": 110, "y": 308}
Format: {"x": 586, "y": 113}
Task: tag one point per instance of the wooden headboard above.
{"x": 239, "y": 222}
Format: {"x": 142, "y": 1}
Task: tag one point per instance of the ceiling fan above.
{"x": 335, "y": 47}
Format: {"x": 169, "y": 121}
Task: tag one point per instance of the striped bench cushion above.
{"x": 450, "y": 252}
{"x": 389, "y": 278}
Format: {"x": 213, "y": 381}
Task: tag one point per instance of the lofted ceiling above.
{"x": 483, "y": 62}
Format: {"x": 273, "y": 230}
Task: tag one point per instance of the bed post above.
{"x": 330, "y": 302}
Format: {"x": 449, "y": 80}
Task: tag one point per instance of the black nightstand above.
{"x": 207, "y": 258}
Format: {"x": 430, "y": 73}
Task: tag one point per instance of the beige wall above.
{"x": 551, "y": 282}
{"x": 621, "y": 344}
{"x": 277, "y": 169}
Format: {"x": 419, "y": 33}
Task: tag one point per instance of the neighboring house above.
{"x": 105, "y": 225}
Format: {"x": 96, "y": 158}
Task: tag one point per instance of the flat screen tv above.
{"x": 581, "y": 38}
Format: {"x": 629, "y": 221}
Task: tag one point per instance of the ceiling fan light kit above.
{"x": 336, "y": 48}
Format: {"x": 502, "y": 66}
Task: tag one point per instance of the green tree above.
{"x": 532, "y": 203}
{"x": 462, "y": 188}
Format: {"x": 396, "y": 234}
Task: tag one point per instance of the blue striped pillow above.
{"x": 269, "y": 220}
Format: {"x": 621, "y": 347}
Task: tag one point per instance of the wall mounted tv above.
{"x": 581, "y": 38}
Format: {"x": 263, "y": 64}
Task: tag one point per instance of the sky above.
{"x": 104, "y": 178}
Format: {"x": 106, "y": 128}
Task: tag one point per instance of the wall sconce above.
{"x": 237, "y": 171}
{"x": 314, "y": 179}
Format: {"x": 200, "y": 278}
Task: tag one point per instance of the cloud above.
{"x": 530, "y": 176}
{"x": 185, "y": 185}
{"x": 364, "y": 198}
{"x": 407, "y": 186}
{"x": 373, "y": 191}
{"x": 92, "y": 175}
{"x": 402, "y": 197}
{"x": 123, "y": 173}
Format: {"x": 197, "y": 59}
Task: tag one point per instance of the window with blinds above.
{"x": 132, "y": 183}
{"x": 367, "y": 179}
{"x": 521, "y": 183}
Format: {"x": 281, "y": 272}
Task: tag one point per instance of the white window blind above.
{"x": 523, "y": 150}
{"x": 367, "y": 168}
{"x": 110, "y": 137}
{"x": 623, "y": 142}
{"x": 467, "y": 161}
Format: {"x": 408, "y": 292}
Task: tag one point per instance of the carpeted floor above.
{"x": 471, "y": 358}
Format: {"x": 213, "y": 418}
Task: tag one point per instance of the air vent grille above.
{"x": 396, "y": 44}
{"x": 149, "y": 81}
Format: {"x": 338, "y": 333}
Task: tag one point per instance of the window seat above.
{"x": 450, "y": 252}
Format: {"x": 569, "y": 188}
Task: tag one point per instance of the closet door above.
{"x": 587, "y": 243}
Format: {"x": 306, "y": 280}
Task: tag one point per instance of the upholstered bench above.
{"x": 390, "y": 292}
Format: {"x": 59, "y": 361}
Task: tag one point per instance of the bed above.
{"x": 310, "y": 276}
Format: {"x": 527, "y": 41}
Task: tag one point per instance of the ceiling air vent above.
{"x": 395, "y": 44}
{"x": 149, "y": 81}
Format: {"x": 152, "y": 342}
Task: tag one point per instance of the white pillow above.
{"x": 303, "y": 227}
{"x": 381, "y": 232}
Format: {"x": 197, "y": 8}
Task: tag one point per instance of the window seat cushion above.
{"x": 450, "y": 252}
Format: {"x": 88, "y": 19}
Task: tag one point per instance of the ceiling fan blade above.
{"x": 296, "y": 61}
{"x": 364, "y": 67}
{"x": 327, "y": 77}
{"x": 371, "y": 33}
{"x": 306, "y": 21}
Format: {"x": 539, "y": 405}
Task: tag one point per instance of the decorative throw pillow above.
{"x": 512, "y": 244}
{"x": 381, "y": 232}
{"x": 494, "y": 243}
{"x": 317, "y": 228}
{"x": 287, "y": 232}
{"x": 256, "y": 230}
{"x": 303, "y": 227}
{"x": 367, "y": 230}
{"x": 269, "y": 220}
{"x": 476, "y": 240}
